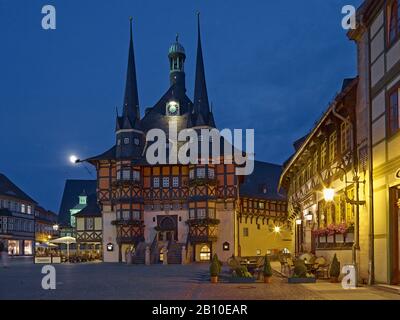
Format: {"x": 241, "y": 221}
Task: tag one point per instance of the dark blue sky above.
{"x": 271, "y": 65}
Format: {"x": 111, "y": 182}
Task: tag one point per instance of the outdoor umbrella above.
{"x": 65, "y": 240}
{"x": 46, "y": 245}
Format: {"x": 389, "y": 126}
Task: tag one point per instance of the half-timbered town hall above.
{"x": 181, "y": 213}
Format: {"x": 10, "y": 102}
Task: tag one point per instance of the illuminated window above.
{"x": 126, "y": 174}
{"x": 89, "y": 223}
{"x": 393, "y": 21}
{"x": 126, "y": 140}
{"x": 175, "y": 182}
{"x": 211, "y": 173}
{"x": 191, "y": 173}
{"x": 165, "y": 182}
{"x": 315, "y": 163}
{"x": 136, "y": 175}
{"x": 136, "y": 141}
{"x": 211, "y": 213}
{"x": 345, "y": 137}
{"x": 126, "y": 215}
{"x": 192, "y": 214}
{"x": 156, "y": 182}
{"x": 205, "y": 253}
{"x": 201, "y": 213}
{"x": 394, "y": 114}
{"x": 332, "y": 147}
{"x": 22, "y": 208}
{"x": 201, "y": 172}
{"x": 136, "y": 215}
{"x": 323, "y": 154}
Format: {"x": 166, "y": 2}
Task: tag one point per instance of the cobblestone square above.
{"x": 22, "y": 280}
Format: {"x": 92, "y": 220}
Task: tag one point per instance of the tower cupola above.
{"x": 177, "y": 57}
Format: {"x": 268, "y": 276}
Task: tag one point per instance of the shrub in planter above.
{"x": 300, "y": 269}
{"x": 219, "y": 263}
{"x": 241, "y": 272}
{"x": 334, "y": 271}
{"x": 267, "y": 270}
{"x": 214, "y": 270}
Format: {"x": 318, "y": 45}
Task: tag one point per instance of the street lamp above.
{"x": 329, "y": 194}
{"x": 277, "y": 229}
{"x": 73, "y": 159}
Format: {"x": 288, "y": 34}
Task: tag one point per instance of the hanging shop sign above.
{"x": 397, "y": 176}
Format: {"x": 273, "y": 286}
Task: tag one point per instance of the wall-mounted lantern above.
{"x": 110, "y": 247}
{"x": 225, "y": 246}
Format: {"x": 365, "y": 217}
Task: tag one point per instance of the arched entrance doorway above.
{"x": 167, "y": 228}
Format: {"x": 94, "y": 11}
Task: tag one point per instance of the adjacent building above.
{"x": 188, "y": 211}
{"x": 378, "y": 42}
{"x": 89, "y": 228}
{"x": 328, "y": 158}
{"x": 17, "y": 220}
{"x": 74, "y": 199}
{"x": 371, "y": 208}
{"x": 46, "y": 227}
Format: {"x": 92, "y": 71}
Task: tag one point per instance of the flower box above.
{"x": 349, "y": 237}
{"x": 331, "y": 239}
{"x": 339, "y": 238}
{"x": 302, "y": 280}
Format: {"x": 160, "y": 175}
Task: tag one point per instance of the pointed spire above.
{"x": 131, "y": 98}
{"x": 201, "y": 104}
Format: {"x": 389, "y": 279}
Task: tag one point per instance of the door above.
{"x": 394, "y": 200}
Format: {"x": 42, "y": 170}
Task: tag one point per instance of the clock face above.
{"x": 172, "y": 108}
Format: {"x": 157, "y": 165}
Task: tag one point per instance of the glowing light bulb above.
{"x": 329, "y": 194}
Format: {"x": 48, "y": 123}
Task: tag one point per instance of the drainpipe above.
{"x": 371, "y": 254}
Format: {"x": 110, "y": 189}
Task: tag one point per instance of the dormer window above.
{"x": 82, "y": 199}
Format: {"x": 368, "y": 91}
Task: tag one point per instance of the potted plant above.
{"x": 215, "y": 269}
{"x": 334, "y": 271}
{"x": 267, "y": 270}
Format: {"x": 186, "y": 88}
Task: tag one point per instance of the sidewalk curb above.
{"x": 387, "y": 288}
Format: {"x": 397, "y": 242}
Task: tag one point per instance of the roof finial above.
{"x": 130, "y": 25}
{"x": 177, "y": 37}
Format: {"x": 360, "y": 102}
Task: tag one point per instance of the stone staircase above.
{"x": 139, "y": 255}
{"x": 155, "y": 250}
{"x": 175, "y": 253}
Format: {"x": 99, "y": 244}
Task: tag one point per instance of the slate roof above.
{"x": 190, "y": 114}
{"x": 8, "y": 188}
{"x": 91, "y": 210}
{"x": 72, "y": 190}
{"x": 265, "y": 175}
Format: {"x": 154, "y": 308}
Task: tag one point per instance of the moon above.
{"x": 73, "y": 159}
